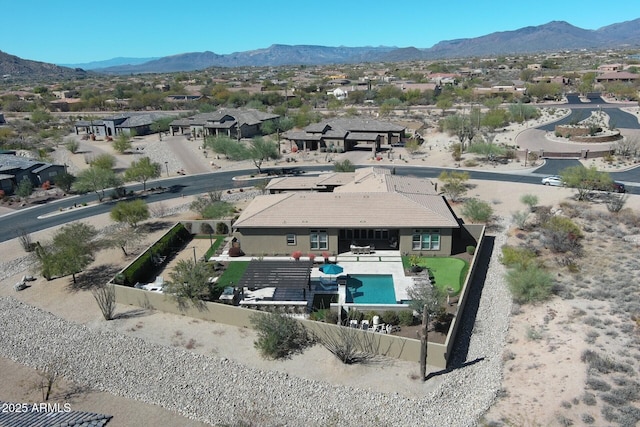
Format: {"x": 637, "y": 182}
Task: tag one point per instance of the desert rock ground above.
{"x": 544, "y": 378}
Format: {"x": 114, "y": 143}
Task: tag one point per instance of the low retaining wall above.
{"x": 388, "y": 345}
{"x": 583, "y": 134}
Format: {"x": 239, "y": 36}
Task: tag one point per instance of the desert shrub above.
{"x": 531, "y": 200}
{"x": 520, "y": 219}
{"x": 349, "y": 345}
{"x": 390, "y": 317}
{"x": 105, "y": 296}
{"x": 206, "y": 228}
{"x": 604, "y": 365}
{"x": 529, "y": 284}
{"x": 615, "y": 202}
{"x": 406, "y": 318}
{"x": 587, "y": 419}
{"x": 562, "y": 234}
{"x": 222, "y": 228}
{"x": 25, "y": 188}
{"x": 279, "y": 336}
{"x": 72, "y": 146}
{"x": 513, "y": 256}
{"x": 589, "y": 399}
{"x": 471, "y": 249}
{"x": 477, "y": 210}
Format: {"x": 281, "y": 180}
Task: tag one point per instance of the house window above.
{"x": 426, "y": 240}
{"x": 319, "y": 240}
{"x": 291, "y": 239}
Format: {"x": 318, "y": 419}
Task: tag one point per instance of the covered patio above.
{"x": 270, "y": 281}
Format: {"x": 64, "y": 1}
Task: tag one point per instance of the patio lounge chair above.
{"x": 353, "y": 323}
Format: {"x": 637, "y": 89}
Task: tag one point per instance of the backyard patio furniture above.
{"x": 364, "y": 325}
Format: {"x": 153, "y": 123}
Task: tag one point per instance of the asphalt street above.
{"x": 28, "y": 219}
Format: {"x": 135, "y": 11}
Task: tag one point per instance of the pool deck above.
{"x": 379, "y": 262}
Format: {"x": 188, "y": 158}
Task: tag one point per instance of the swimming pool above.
{"x": 370, "y": 289}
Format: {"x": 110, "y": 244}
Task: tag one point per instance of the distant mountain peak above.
{"x": 552, "y": 36}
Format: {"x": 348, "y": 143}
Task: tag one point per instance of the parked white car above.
{"x": 553, "y": 180}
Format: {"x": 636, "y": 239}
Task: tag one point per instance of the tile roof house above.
{"x": 234, "y": 123}
{"x": 14, "y": 169}
{"x": 618, "y": 76}
{"x": 374, "y": 208}
{"x": 343, "y": 134}
{"x": 130, "y": 123}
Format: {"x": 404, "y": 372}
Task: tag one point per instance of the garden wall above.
{"x": 478, "y": 230}
{"x": 388, "y": 345}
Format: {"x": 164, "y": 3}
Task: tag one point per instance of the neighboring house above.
{"x": 14, "y": 169}
{"x": 234, "y": 123}
{"x": 374, "y": 208}
{"x": 338, "y": 93}
{"x": 132, "y": 123}
{"x": 618, "y": 76}
{"x": 516, "y": 90}
{"x": 605, "y": 68}
{"x": 343, "y": 134}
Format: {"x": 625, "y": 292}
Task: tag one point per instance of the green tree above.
{"x": 228, "y": 147}
{"x": 344, "y": 166}
{"x": 487, "y": 149}
{"x": 97, "y": 180}
{"x": 130, "y": 212}
{"x": 161, "y": 125}
{"x": 217, "y": 210}
{"x": 454, "y": 184}
{"x": 104, "y": 161}
{"x": 477, "y": 210}
{"x": 122, "y": 143}
{"x": 71, "y": 250}
{"x": 189, "y": 281}
{"x": 142, "y": 171}
{"x": 25, "y": 188}
{"x": 585, "y": 180}
{"x": 65, "y": 180}
{"x": 412, "y": 146}
{"x": 261, "y": 150}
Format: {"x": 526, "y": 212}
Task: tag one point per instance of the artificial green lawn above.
{"x": 448, "y": 272}
{"x": 232, "y": 274}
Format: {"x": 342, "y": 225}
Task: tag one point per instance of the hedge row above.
{"x": 144, "y": 268}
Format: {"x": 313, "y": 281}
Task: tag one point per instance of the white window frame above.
{"x": 292, "y": 239}
{"x": 426, "y": 240}
{"x": 318, "y": 240}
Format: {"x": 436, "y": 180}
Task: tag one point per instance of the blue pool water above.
{"x": 371, "y": 289}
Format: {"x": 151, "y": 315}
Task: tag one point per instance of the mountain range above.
{"x": 553, "y": 36}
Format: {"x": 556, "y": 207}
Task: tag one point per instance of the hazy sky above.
{"x": 79, "y": 31}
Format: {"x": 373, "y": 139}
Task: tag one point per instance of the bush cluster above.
{"x": 279, "y": 336}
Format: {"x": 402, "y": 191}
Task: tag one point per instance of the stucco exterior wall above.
{"x": 273, "y": 241}
{"x": 406, "y": 244}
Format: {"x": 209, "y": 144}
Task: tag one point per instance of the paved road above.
{"x": 27, "y": 219}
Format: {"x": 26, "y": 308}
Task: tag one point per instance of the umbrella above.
{"x": 331, "y": 269}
